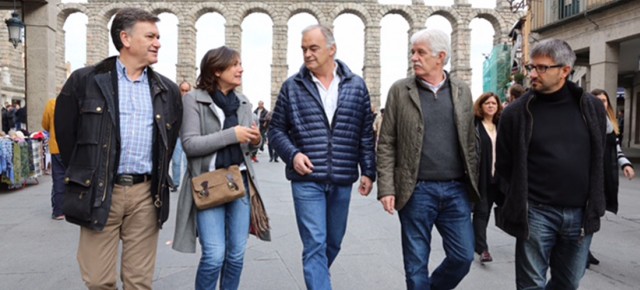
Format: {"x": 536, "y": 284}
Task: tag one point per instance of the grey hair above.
{"x": 437, "y": 40}
{"x": 326, "y": 32}
{"x": 558, "y": 50}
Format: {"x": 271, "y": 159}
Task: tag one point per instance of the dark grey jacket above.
{"x": 88, "y": 133}
{"x": 512, "y": 146}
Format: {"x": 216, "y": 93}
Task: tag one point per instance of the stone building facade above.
{"x": 605, "y": 34}
{"x": 11, "y": 69}
{"x": 460, "y": 14}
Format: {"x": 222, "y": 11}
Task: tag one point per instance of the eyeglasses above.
{"x": 540, "y": 68}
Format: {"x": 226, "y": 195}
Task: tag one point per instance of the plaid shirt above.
{"x": 136, "y": 122}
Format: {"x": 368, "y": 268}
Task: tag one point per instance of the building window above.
{"x": 568, "y": 8}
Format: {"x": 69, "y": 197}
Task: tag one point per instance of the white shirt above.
{"x": 329, "y": 96}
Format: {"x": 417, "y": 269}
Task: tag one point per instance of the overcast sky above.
{"x": 257, "y": 45}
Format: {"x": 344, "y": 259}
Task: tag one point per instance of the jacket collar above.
{"x": 203, "y": 97}
{"x": 343, "y": 71}
{"x": 304, "y": 78}
{"x": 158, "y": 86}
{"x": 412, "y": 86}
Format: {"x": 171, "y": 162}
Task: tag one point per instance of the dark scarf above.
{"x": 231, "y": 154}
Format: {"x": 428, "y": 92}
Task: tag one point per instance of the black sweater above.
{"x": 559, "y": 151}
{"x": 512, "y": 150}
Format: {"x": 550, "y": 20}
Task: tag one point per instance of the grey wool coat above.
{"x": 199, "y": 149}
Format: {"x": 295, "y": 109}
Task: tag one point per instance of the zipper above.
{"x": 526, "y": 203}
{"x": 586, "y": 208}
{"x": 104, "y": 194}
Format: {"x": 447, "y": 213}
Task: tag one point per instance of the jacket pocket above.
{"x": 79, "y": 195}
{"x": 90, "y": 121}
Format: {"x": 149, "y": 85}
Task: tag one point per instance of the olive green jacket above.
{"x": 400, "y": 143}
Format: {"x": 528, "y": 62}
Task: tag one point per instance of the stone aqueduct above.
{"x": 460, "y": 14}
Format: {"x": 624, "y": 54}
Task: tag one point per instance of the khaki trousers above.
{"x": 132, "y": 219}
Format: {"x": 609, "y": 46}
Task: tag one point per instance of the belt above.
{"x": 461, "y": 179}
{"x": 131, "y": 179}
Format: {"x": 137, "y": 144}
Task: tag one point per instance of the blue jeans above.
{"x": 223, "y": 232}
{"x": 176, "y": 163}
{"x": 321, "y": 214}
{"x": 554, "y": 240}
{"x": 57, "y": 189}
{"x": 445, "y": 204}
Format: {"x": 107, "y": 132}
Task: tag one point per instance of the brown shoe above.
{"x": 485, "y": 257}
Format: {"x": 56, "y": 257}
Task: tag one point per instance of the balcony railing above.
{"x": 546, "y": 12}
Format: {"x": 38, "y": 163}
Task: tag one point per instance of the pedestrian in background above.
{"x": 218, "y": 131}
{"x": 273, "y": 155}
{"x": 57, "y": 166}
{"x": 262, "y": 113}
{"x": 550, "y": 152}
{"x": 322, "y": 128}
{"x": 515, "y": 91}
{"x": 487, "y": 109}
{"x": 427, "y": 163}
{"x": 178, "y": 157}
{"x": 116, "y": 125}
{"x": 613, "y": 158}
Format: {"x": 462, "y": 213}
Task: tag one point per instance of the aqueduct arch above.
{"x": 370, "y": 12}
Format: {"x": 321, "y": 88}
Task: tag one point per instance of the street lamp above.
{"x": 15, "y": 26}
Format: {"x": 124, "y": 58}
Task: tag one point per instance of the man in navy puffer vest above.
{"x": 322, "y": 129}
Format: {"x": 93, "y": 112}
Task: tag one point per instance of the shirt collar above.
{"x": 335, "y": 74}
{"x": 122, "y": 72}
{"x": 436, "y": 87}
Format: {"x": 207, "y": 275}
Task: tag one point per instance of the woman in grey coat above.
{"x": 217, "y": 131}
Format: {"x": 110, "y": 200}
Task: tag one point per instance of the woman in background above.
{"x": 487, "y": 109}
{"x": 613, "y": 157}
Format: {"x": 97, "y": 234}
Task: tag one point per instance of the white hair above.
{"x": 436, "y": 39}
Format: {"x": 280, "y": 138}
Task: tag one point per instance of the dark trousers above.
{"x": 481, "y": 214}
{"x": 273, "y": 155}
{"x": 57, "y": 190}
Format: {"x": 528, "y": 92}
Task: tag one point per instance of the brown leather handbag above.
{"x": 217, "y": 187}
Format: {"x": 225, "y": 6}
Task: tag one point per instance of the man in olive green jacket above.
{"x": 427, "y": 164}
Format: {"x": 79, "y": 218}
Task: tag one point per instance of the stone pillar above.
{"x": 603, "y": 59}
{"x": 503, "y": 4}
{"x": 233, "y": 36}
{"x": 98, "y": 39}
{"x": 412, "y": 30}
{"x": 371, "y": 69}
{"x": 61, "y": 66}
{"x": 279, "y": 67}
{"x": 41, "y": 25}
{"x": 186, "y": 66}
{"x": 461, "y": 51}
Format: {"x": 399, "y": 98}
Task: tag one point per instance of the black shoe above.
{"x": 592, "y": 259}
{"x": 276, "y": 160}
{"x": 174, "y": 188}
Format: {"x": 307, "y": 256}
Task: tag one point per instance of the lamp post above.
{"x": 15, "y": 26}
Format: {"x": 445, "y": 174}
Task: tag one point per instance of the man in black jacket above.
{"x": 261, "y": 112}
{"x": 552, "y": 171}
{"x": 117, "y": 123}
